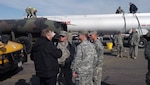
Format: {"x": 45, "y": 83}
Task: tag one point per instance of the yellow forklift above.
{"x": 12, "y": 55}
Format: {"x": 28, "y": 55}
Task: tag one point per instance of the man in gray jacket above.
{"x": 134, "y": 42}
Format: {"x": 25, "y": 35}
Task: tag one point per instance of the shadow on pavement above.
{"x": 103, "y": 83}
{"x": 110, "y": 54}
{"x": 9, "y": 74}
{"x": 35, "y": 81}
{"x": 21, "y": 82}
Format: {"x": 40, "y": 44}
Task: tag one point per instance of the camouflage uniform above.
{"x": 119, "y": 44}
{"x": 68, "y": 52}
{"x": 134, "y": 42}
{"x": 98, "y": 67}
{"x": 31, "y": 12}
{"x": 28, "y": 11}
{"x": 84, "y": 62}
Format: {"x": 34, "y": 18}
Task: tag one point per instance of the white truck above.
{"x": 108, "y": 23}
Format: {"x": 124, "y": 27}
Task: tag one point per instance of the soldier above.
{"x": 119, "y": 44}
{"x": 31, "y": 12}
{"x": 147, "y": 56}
{"x": 68, "y": 52}
{"x": 119, "y": 10}
{"x": 28, "y": 11}
{"x": 134, "y": 42}
{"x": 85, "y": 57}
{"x": 133, "y": 8}
{"x": 97, "y": 76}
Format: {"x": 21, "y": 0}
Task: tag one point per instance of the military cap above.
{"x": 63, "y": 33}
{"x": 133, "y": 29}
{"x": 92, "y": 32}
{"x": 83, "y": 32}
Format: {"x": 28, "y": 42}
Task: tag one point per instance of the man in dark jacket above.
{"x": 68, "y": 52}
{"x": 44, "y": 54}
{"x": 133, "y": 8}
{"x": 147, "y": 56}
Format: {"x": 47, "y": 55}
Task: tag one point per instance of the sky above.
{"x": 15, "y": 9}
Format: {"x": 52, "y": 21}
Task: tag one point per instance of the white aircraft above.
{"x": 107, "y": 23}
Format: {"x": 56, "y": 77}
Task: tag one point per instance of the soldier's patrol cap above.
{"x": 92, "y": 32}
{"x": 133, "y": 29}
{"x": 63, "y": 33}
{"x": 83, "y": 32}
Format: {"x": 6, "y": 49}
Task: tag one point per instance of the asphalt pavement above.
{"x": 124, "y": 71}
{"x": 116, "y": 71}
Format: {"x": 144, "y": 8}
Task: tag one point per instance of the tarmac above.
{"x": 116, "y": 71}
